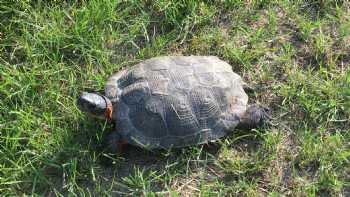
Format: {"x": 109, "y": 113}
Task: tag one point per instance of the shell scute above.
{"x": 136, "y": 93}
{"x": 177, "y": 101}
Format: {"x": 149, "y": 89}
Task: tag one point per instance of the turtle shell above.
{"x": 176, "y": 101}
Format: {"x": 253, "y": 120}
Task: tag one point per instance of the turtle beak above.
{"x": 83, "y": 102}
{"x": 109, "y": 108}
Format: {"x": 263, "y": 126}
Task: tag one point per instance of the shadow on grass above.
{"x": 79, "y": 164}
{"x": 173, "y": 168}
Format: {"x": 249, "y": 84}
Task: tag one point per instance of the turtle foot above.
{"x": 248, "y": 88}
{"x": 114, "y": 143}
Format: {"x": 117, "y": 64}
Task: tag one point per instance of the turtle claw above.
{"x": 112, "y": 143}
{"x": 266, "y": 117}
{"x": 265, "y": 113}
{"x": 248, "y": 88}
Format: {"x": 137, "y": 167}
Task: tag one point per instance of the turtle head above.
{"x": 255, "y": 116}
{"x": 96, "y": 105}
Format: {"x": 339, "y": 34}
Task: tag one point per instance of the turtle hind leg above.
{"x": 254, "y": 117}
{"x": 114, "y": 143}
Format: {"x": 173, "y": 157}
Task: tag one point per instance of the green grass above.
{"x": 296, "y": 54}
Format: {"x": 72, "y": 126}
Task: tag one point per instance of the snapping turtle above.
{"x": 173, "y": 101}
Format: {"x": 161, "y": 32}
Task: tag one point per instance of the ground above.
{"x": 296, "y": 55}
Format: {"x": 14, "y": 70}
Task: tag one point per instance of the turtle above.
{"x": 172, "y": 102}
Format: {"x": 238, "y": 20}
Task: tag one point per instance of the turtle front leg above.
{"x": 114, "y": 143}
{"x": 254, "y": 117}
{"x": 248, "y": 88}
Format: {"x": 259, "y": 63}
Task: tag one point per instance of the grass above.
{"x": 296, "y": 54}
